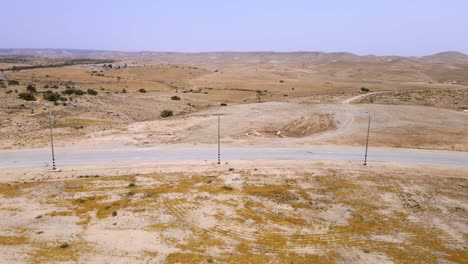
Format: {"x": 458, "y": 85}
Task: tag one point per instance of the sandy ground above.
{"x": 242, "y": 212}
{"x": 265, "y": 124}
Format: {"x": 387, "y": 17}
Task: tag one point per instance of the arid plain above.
{"x": 244, "y": 211}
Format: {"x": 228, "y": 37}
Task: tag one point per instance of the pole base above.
{"x": 365, "y": 164}
{"x": 55, "y": 170}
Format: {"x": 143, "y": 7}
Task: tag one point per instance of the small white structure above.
{"x": 466, "y": 110}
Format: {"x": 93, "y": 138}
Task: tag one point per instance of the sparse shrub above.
{"x": 13, "y": 82}
{"x": 166, "y": 113}
{"x": 91, "y": 92}
{"x": 364, "y": 89}
{"x": 223, "y": 104}
{"x": 53, "y": 97}
{"x": 46, "y": 86}
{"x": 114, "y": 213}
{"x": 79, "y": 92}
{"x": 231, "y": 169}
{"x": 124, "y": 91}
{"x": 27, "y": 96}
{"x": 31, "y": 88}
{"x": 142, "y": 90}
{"x": 64, "y": 245}
{"x": 132, "y": 184}
{"x": 227, "y": 188}
{"x": 55, "y": 87}
{"x": 281, "y": 81}
{"x": 70, "y": 91}
{"x": 175, "y": 98}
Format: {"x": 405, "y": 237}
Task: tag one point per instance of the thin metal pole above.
{"x": 52, "y": 142}
{"x": 219, "y": 140}
{"x": 367, "y": 143}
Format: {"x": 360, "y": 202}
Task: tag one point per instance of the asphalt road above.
{"x": 42, "y": 157}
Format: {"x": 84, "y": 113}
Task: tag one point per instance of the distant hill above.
{"x": 443, "y": 57}
{"x": 447, "y": 57}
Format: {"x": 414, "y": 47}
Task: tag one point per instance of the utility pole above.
{"x": 219, "y": 140}
{"x": 367, "y": 141}
{"x": 54, "y": 169}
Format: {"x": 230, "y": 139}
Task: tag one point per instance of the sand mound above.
{"x": 309, "y": 125}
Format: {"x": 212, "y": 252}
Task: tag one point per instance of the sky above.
{"x": 380, "y": 27}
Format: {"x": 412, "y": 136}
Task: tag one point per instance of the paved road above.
{"x": 41, "y": 157}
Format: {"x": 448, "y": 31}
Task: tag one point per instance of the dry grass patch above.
{"x": 309, "y": 125}
{"x": 81, "y": 122}
{"x": 13, "y": 240}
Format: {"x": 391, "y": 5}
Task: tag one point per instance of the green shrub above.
{"x": 175, "y": 98}
{"x": 79, "y": 92}
{"x": 70, "y": 91}
{"x": 142, "y": 90}
{"x": 166, "y": 113}
{"x": 27, "y": 96}
{"x": 53, "y": 97}
{"x": 91, "y": 92}
{"x": 13, "y": 82}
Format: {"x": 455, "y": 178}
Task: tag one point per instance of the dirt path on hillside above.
{"x": 352, "y": 99}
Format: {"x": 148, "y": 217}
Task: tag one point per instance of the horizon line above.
{"x": 227, "y": 51}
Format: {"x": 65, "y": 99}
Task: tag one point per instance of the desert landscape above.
{"x": 136, "y": 137}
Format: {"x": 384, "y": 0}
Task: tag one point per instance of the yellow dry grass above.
{"x": 268, "y": 219}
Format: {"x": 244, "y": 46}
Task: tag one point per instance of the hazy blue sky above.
{"x": 383, "y": 27}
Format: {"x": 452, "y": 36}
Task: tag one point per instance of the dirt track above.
{"x": 258, "y": 124}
